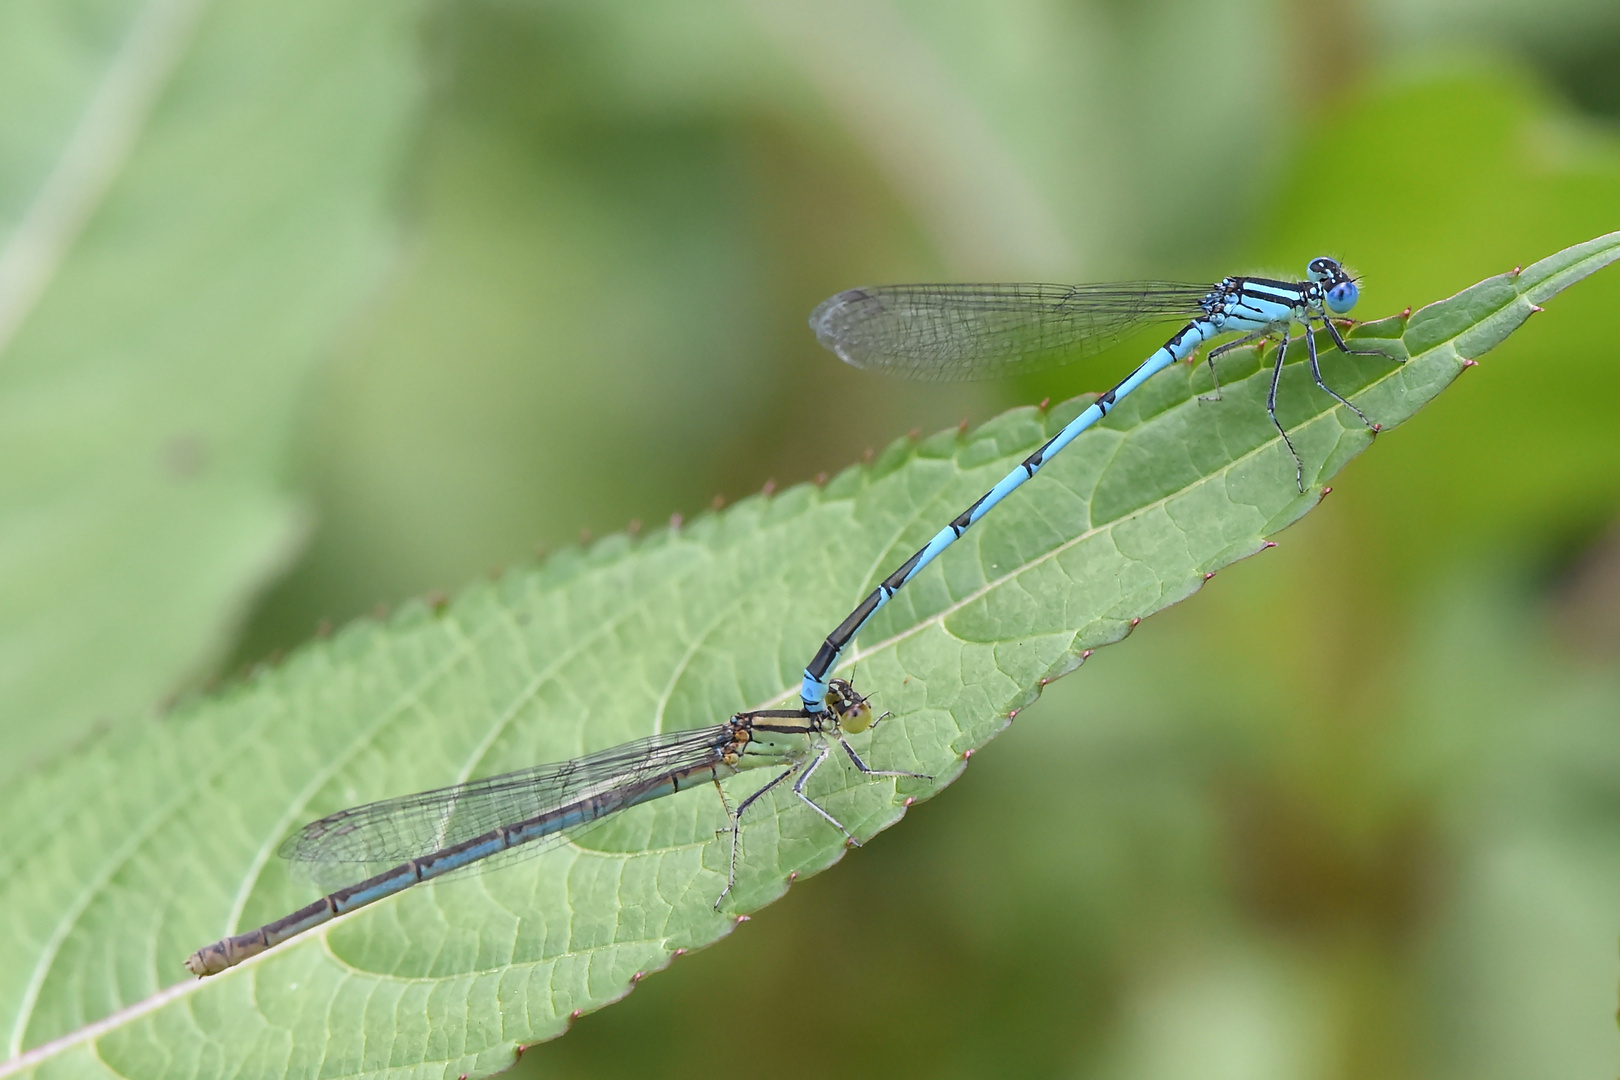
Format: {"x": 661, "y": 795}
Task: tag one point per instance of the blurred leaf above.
{"x": 1542, "y": 179}
{"x": 193, "y": 197}
{"x": 596, "y": 647}
{"x": 620, "y": 207}
{"x": 1565, "y": 24}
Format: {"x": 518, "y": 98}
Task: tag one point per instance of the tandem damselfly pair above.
{"x": 918, "y": 331}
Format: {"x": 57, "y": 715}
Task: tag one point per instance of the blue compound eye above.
{"x": 1342, "y": 297}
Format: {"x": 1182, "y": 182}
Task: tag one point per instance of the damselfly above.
{"x": 955, "y": 332}
{"x": 434, "y": 833}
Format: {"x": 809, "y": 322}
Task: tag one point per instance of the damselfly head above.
{"x": 853, "y": 710}
{"x": 1323, "y": 268}
{"x": 1338, "y": 287}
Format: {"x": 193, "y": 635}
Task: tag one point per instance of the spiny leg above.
{"x": 1271, "y": 410}
{"x": 1258, "y": 335}
{"x": 736, "y": 826}
{"x": 725, "y": 803}
{"x": 804, "y": 778}
{"x": 1316, "y": 373}
{"x": 869, "y": 772}
{"x": 1338, "y": 340}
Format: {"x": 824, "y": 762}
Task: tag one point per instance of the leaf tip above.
{"x": 718, "y": 502}
{"x": 769, "y": 489}
{"x": 634, "y": 527}
{"x": 675, "y": 521}
{"x": 1045, "y": 401}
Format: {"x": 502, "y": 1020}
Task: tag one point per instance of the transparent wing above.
{"x": 954, "y": 333}
{"x": 382, "y": 834}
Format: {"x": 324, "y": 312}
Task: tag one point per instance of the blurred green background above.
{"x": 1352, "y": 811}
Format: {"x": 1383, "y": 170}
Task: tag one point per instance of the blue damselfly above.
{"x": 958, "y": 332}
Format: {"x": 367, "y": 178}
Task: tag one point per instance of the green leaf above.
{"x": 192, "y": 197}
{"x": 174, "y": 827}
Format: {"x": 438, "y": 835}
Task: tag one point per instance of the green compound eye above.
{"x": 858, "y": 719}
{"x": 853, "y": 712}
